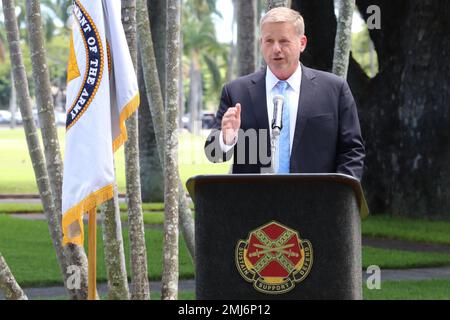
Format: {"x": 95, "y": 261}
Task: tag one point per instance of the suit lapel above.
{"x": 257, "y": 92}
{"x": 305, "y": 102}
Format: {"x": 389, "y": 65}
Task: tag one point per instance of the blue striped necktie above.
{"x": 284, "y": 144}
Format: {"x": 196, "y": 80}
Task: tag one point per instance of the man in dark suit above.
{"x": 321, "y": 131}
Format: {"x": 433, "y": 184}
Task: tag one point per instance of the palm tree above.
{"x": 246, "y": 40}
{"x": 169, "y": 288}
{"x": 41, "y": 174}
{"x": 154, "y": 92}
{"x": 139, "y": 277}
{"x": 202, "y": 48}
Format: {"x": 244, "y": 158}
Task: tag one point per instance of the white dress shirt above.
{"x": 292, "y": 94}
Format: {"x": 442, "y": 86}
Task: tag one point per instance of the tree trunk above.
{"x": 37, "y": 158}
{"x": 404, "y": 110}
{"x": 343, "y": 41}
{"x": 233, "y": 49}
{"x": 8, "y": 283}
{"x": 46, "y": 111}
{"x": 320, "y": 28}
{"x": 246, "y": 40}
{"x": 113, "y": 247}
{"x": 156, "y": 107}
{"x": 169, "y": 290}
{"x": 278, "y": 3}
{"x": 139, "y": 275}
{"x": 74, "y": 254}
{"x": 152, "y": 177}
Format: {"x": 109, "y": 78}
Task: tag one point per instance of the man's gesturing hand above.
{"x": 231, "y": 122}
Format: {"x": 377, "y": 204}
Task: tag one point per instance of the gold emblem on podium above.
{"x": 274, "y": 258}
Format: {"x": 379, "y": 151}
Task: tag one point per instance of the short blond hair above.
{"x": 283, "y": 14}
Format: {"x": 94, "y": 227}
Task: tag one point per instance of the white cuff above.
{"x": 225, "y": 147}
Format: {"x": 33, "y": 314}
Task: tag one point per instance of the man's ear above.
{"x": 303, "y": 43}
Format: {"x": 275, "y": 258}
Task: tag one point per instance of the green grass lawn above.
{"x": 17, "y": 176}
{"x": 12, "y": 207}
{"x": 438, "y": 289}
{"x": 417, "y": 230}
{"x": 182, "y": 295}
{"x": 420, "y": 230}
{"x": 26, "y": 246}
{"x": 390, "y": 290}
{"x": 398, "y": 259}
{"x": 410, "y": 290}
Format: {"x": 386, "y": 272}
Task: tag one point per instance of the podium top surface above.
{"x": 285, "y": 178}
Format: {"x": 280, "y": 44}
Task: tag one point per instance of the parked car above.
{"x": 208, "y": 119}
{"x": 5, "y": 117}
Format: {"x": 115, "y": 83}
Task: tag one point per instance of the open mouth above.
{"x": 277, "y": 59}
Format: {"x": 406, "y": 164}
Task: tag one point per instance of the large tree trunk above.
{"x": 343, "y": 41}
{"x": 156, "y": 107}
{"x": 152, "y": 176}
{"x": 113, "y": 247}
{"x": 405, "y": 109}
{"x": 246, "y": 40}
{"x": 8, "y": 283}
{"x": 169, "y": 290}
{"x": 320, "y": 28}
{"x": 139, "y": 276}
{"x": 37, "y": 158}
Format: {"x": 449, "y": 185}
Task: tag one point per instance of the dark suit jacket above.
{"x": 327, "y": 136}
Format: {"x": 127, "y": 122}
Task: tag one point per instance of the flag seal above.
{"x": 94, "y": 65}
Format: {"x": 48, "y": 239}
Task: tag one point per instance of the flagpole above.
{"x": 92, "y": 255}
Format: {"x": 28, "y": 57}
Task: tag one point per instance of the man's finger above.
{"x": 238, "y": 110}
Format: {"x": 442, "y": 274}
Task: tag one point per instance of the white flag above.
{"x": 102, "y": 92}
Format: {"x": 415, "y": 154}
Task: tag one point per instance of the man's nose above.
{"x": 276, "y": 47}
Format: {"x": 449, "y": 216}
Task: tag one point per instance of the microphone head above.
{"x": 277, "y": 98}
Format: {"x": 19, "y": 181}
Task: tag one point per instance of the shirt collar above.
{"x": 294, "y": 80}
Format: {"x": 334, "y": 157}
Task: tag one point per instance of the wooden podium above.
{"x": 295, "y": 236}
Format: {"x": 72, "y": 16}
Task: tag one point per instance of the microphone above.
{"x": 278, "y": 101}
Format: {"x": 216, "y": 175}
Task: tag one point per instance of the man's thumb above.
{"x": 238, "y": 109}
